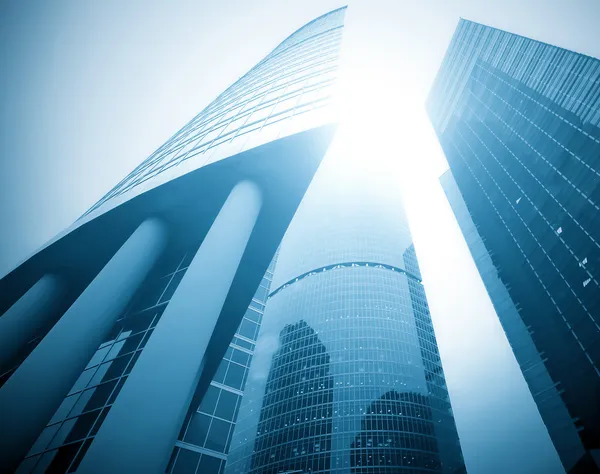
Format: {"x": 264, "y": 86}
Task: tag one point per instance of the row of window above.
{"x": 288, "y": 82}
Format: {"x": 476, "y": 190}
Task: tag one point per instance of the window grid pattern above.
{"x": 290, "y": 90}
{"x": 545, "y": 391}
{"x": 204, "y": 441}
{"x": 566, "y": 78}
{"x": 66, "y": 438}
{"x": 526, "y": 163}
{"x": 344, "y": 380}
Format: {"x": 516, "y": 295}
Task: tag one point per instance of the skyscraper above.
{"x": 347, "y": 376}
{"x": 518, "y": 122}
{"x": 205, "y": 436}
{"x": 120, "y": 333}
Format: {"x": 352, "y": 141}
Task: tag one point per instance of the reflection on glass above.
{"x": 346, "y": 333}
{"x": 294, "y": 431}
{"x": 396, "y": 430}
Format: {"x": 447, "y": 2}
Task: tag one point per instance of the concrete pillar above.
{"x": 25, "y": 319}
{"x": 32, "y": 394}
{"x": 142, "y": 426}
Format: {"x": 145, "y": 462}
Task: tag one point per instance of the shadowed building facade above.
{"x": 518, "y": 121}
{"x": 298, "y": 388}
{"x": 346, "y": 375}
{"x": 393, "y": 426}
{"x": 132, "y": 331}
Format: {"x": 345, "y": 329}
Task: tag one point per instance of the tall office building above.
{"x": 518, "y": 122}
{"x": 346, "y": 377}
{"x": 205, "y": 436}
{"x": 118, "y": 342}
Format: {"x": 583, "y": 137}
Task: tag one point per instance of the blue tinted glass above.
{"x": 227, "y": 405}
{"x": 197, "y": 429}
{"x": 218, "y": 436}
{"x": 186, "y": 462}
{"x": 209, "y": 464}
{"x": 235, "y": 376}
{"x": 209, "y": 402}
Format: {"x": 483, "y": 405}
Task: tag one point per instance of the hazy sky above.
{"x": 91, "y": 88}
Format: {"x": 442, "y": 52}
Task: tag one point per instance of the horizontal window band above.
{"x": 335, "y": 266}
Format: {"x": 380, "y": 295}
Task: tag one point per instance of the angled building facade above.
{"x": 347, "y": 376}
{"x": 205, "y": 437}
{"x": 518, "y": 121}
{"x": 119, "y": 348}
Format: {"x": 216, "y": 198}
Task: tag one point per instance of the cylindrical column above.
{"x": 141, "y": 428}
{"x": 33, "y": 393}
{"x": 26, "y": 318}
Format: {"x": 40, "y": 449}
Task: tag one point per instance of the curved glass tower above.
{"x": 288, "y": 91}
{"x": 118, "y": 342}
{"x": 346, "y": 376}
{"x": 519, "y": 122}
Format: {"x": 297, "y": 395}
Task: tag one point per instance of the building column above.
{"x": 24, "y": 320}
{"x": 141, "y": 428}
{"x": 35, "y": 390}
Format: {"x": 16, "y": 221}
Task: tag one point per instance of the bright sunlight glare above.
{"x": 382, "y": 125}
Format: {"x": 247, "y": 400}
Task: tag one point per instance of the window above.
{"x": 240, "y": 357}
{"x": 218, "y": 436}
{"x": 235, "y": 376}
{"x": 209, "y": 402}
{"x": 227, "y": 405}
{"x": 173, "y": 284}
{"x": 248, "y": 329}
{"x": 220, "y": 375}
{"x": 261, "y": 293}
{"x": 210, "y": 464}
{"x": 186, "y": 462}
{"x": 252, "y": 315}
{"x": 197, "y": 429}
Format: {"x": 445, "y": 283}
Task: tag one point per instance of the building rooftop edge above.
{"x": 461, "y": 19}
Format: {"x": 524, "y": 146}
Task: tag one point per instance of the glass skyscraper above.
{"x": 205, "y": 436}
{"x": 290, "y": 90}
{"x": 346, "y": 376}
{"x": 118, "y": 342}
{"x": 518, "y": 121}
{"x": 164, "y": 332}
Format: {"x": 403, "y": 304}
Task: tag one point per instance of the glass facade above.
{"x": 204, "y": 440}
{"x": 71, "y": 430}
{"x": 206, "y": 434}
{"x": 518, "y": 122}
{"x": 565, "y": 78}
{"x": 346, "y": 375}
{"x": 289, "y": 91}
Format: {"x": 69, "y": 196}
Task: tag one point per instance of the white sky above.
{"x": 89, "y": 89}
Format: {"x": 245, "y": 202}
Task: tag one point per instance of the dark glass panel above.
{"x": 197, "y": 429}
{"x": 227, "y": 405}
{"x": 209, "y": 402}
{"x": 187, "y": 462}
